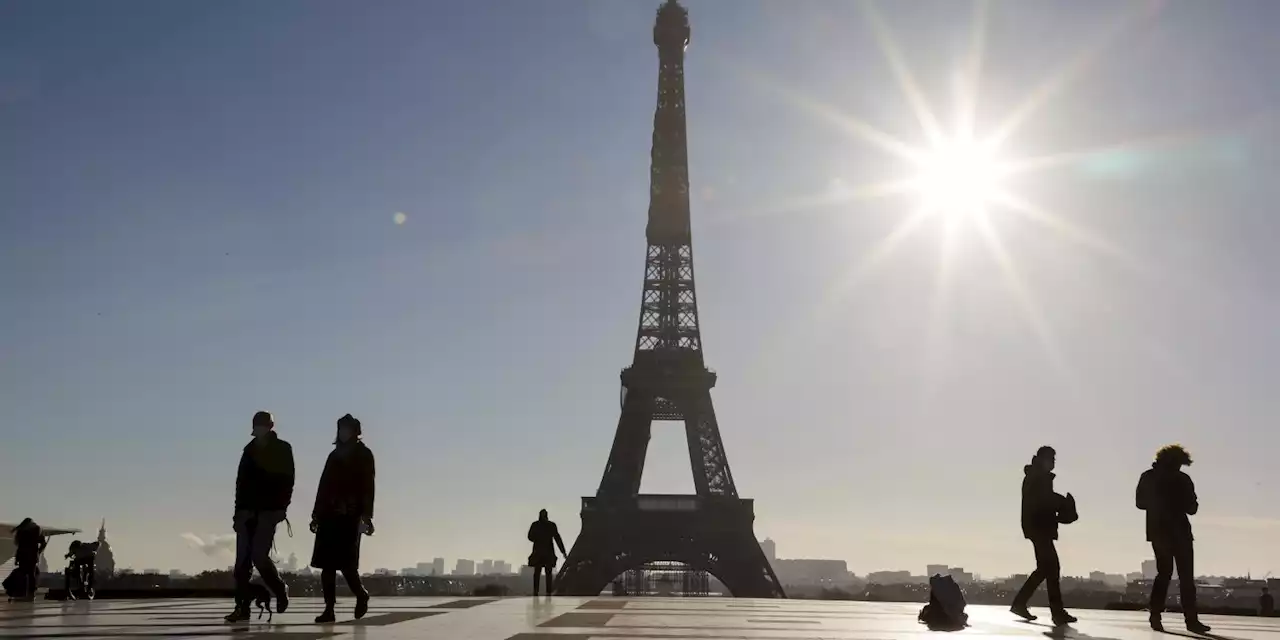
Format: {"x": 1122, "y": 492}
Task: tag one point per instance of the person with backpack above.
{"x": 264, "y": 489}
{"x": 1041, "y": 512}
{"x": 1169, "y": 496}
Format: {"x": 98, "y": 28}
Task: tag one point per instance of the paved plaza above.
{"x": 573, "y": 619}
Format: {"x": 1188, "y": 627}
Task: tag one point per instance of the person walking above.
{"x": 30, "y": 543}
{"x": 343, "y": 512}
{"x": 542, "y": 533}
{"x": 264, "y": 490}
{"x": 1040, "y": 510}
{"x": 1169, "y": 496}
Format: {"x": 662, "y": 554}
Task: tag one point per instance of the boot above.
{"x": 239, "y": 614}
{"x": 327, "y": 616}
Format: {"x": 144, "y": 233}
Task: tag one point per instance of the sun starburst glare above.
{"x": 959, "y": 178}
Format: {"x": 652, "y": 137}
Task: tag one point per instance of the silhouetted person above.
{"x": 1266, "y": 603}
{"x": 30, "y": 541}
{"x": 1040, "y": 506}
{"x": 542, "y": 533}
{"x": 264, "y": 489}
{"x": 82, "y": 556}
{"x": 343, "y": 511}
{"x": 1169, "y": 496}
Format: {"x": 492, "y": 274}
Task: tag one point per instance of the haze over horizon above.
{"x": 431, "y": 215}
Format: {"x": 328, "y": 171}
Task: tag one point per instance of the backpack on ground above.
{"x": 945, "y": 610}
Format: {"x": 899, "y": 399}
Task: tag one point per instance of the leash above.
{"x": 288, "y": 527}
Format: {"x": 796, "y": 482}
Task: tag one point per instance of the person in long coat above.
{"x": 343, "y": 512}
{"x": 542, "y": 533}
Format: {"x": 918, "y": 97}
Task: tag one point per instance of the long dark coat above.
{"x": 344, "y": 497}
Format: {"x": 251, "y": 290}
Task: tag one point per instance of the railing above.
{"x": 668, "y": 503}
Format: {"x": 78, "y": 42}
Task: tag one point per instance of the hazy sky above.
{"x": 198, "y": 205}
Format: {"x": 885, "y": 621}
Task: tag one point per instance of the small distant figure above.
{"x": 342, "y": 513}
{"x": 542, "y": 533}
{"x": 81, "y": 568}
{"x": 30, "y": 541}
{"x": 264, "y": 489}
{"x": 1169, "y": 497}
{"x": 1042, "y": 510}
{"x": 1266, "y": 603}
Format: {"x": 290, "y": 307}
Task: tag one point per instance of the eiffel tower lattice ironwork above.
{"x": 622, "y": 529}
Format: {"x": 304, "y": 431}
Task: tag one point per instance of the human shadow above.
{"x": 1188, "y": 634}
{"x": 1065, "y": 631}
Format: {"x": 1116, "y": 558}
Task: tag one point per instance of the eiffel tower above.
{"x": 712, "y": 530}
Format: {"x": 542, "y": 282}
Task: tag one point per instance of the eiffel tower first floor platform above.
{"x": 707, "y": 533}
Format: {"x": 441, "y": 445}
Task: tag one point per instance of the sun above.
{"x": 959, "y": 177}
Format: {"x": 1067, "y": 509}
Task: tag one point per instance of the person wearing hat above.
{"x": 343, "y": 512}
{"x": 264, "y": 490}
{"x": 1168, "y": 496}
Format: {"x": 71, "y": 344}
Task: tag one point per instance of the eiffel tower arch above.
{"x": 668, "y": 380}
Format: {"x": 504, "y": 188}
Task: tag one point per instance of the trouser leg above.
{"x": 1164, "y": 573}
{"x": 329, "y": 586}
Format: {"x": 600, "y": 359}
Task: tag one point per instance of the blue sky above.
{"x": 197, "y": 208}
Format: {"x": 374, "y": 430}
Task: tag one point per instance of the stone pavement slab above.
{"x": 576, "y": 619}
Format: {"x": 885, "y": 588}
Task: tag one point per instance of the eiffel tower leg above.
{"x": 623, "y": 472}
{"x": 711, "y": 475}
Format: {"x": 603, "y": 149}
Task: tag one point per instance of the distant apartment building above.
{"x": 959, "y": 575}
{"x": 770, "y": 549}
{"x": 937, "y": 570}
{"x": 501, "y": 567}
{"x": 1149, "y": 569}
{"x": 890, "y": 577}
{"x": 811, "y": 571}
{"x": 464, "y": 567}
{"x": 486, "y": 567}
{"x": 437, "y": 567}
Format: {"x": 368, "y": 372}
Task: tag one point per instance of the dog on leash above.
{"x": 261, "y": 597}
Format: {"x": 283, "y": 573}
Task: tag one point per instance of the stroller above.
{"x": 78, "y": 575}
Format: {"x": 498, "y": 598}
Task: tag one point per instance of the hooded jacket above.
{"x": 1039, "y": 504}
{"x": 1168, "y": 496}
{"x": 264, "y": 481}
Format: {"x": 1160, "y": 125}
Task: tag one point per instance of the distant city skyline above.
{"x": 432, "y": 216}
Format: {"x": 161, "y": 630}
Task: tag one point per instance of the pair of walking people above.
{"x": 1164, "y": 492}
{"x": 343, "y": 512}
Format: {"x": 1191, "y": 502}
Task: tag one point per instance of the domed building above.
{"x": 105, "y": 563}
